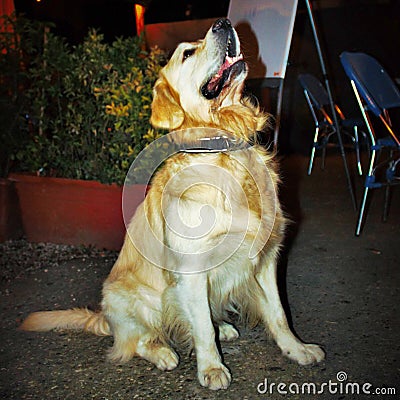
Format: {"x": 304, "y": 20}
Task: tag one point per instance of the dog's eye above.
{"x": 187, "y": 53}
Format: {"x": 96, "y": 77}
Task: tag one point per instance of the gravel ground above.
{"x": 340, "y": 291}
{"x": 19, "y": 257}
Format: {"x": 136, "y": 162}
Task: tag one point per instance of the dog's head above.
{"x": 200, "y": 79}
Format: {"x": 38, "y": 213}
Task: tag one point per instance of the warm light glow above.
{"x": 6, "y": 8}
{"x": 139, "y": 13}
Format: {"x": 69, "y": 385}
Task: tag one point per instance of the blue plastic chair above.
{"x": 318, "y": 101}
{"x": 376, "y": 94}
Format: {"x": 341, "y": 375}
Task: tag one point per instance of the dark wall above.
{"x": 73, "y": 17}
{"x": 179, "y": 10}
{"x": 115, "y": 17}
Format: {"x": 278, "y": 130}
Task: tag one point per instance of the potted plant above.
{"x": 86, "y": 117}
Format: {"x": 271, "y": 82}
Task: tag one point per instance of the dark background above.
{"x": 115, "y": 17}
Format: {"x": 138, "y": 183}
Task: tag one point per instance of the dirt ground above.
{"x": 339, "y": 291}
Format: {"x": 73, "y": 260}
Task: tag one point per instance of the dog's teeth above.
{"x": 227, "y": 46}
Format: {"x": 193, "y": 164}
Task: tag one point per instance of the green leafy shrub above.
{"x": 18, "y": 42}
{"x": 83, "y": 111}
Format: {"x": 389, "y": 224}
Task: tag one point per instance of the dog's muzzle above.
{"x": 232, "y": 64}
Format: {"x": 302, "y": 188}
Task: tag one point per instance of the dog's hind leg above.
{"x": 161, "y": 355}
{"x": 131, "y": 339}
{"x": 135, "y": 321}
{"x": 275, "y": 320}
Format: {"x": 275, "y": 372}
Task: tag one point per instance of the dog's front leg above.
{"x": 192, "y": 292}
{"x": 275, "y": 319}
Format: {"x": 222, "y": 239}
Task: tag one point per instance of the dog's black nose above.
{"x": 221, "y": 24}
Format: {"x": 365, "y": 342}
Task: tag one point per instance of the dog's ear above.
{"x": 166, "y": 111}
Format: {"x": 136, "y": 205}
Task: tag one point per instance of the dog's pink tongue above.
{"x": 227, "y": 63}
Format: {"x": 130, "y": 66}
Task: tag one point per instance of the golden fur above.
{"x": 147, "y": 308}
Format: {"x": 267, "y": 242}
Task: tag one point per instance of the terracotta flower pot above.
{"x": 10, "y": 218}
{"x": 73, "y": 211}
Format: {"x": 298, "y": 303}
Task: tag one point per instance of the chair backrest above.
{"x": 315, "y": 89}
{"x": 372, "y": 81}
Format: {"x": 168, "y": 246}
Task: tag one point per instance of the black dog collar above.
{"x": 215, "y": 144}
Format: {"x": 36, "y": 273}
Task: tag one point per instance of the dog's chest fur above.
{"x": 233, "y": 191}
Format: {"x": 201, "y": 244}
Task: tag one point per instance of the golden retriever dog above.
{"x": 175, "y": 281}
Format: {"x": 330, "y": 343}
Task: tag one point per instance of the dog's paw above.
{"x": 215, "y": 378}
{"x": 227, "y": 332}
{"x": 163, "y": 357}
{"x": 166, "y": 359}
{"x": 305, "y": 354}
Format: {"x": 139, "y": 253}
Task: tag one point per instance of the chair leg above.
{"x": 361, "y": 212}
{"x": 323, "y": 156}
{"x": 369, "y": 179}
{"x": 390, "y": 176}
{"x": 315, "y": 144}
{"x": 357, "y": 146}
{"x": 386, "y": 203}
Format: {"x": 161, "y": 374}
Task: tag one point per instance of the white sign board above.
{"x": 265, "y": 30}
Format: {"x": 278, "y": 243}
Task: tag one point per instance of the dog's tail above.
{"x": 75, "y": 319}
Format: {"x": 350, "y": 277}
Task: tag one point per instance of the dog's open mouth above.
{"x": 230, "y": 68}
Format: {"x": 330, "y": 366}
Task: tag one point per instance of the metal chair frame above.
{"x": 368, "y": 103}
{"x": 324, "y": 125}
